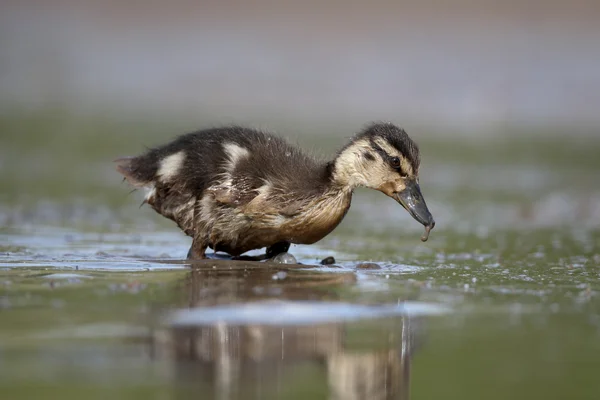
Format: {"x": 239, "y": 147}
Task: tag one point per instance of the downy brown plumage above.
{"x": 236, "y": 189}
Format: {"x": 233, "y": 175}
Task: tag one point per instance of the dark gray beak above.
{"x": 412, "y": 200}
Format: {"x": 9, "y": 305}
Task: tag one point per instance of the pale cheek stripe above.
{"x": 406, "y": 166}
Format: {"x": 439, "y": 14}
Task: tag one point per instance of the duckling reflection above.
{"x": 343, "y": 360}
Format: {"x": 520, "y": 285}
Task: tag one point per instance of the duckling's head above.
{"x": 383, "y": 157}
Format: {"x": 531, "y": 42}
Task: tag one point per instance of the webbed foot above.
{"x": 281, "y": 258}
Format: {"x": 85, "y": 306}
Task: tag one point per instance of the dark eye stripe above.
{"x": 378, "y": 149}
{"x": 369, "y": 156}
{"x": 387, "y": 157}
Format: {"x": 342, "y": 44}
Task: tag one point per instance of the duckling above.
{"x": 234, "y": 189}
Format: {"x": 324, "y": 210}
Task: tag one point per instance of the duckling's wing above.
{"x": 181, "y": 172}
{"x": 273, "y": 177}
{"x": 252, "y": 171}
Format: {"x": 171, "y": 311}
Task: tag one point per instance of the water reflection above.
{"x": 259, "y": 358}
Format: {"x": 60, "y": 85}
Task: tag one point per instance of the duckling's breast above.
{"x": 237, "y": 230}
{"x": 318, "y": 220}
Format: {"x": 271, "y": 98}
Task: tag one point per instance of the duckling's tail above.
{"x": 176, "y": 205}
{"x": 126, "y": 167}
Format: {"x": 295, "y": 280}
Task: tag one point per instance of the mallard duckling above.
{"x": 236, "y": 189}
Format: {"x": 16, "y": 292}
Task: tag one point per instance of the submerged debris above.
{"x": 328, "y": 261}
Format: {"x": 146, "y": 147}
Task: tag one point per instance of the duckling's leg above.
{"x": 272, "y": 251}
{"x": 197, "y": 250}
{"x": 277, "y": 248}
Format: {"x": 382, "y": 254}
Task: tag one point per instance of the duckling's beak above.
{"x": 412, "y": 200}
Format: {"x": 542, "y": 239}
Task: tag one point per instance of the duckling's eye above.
{"x": 395, "y": 161}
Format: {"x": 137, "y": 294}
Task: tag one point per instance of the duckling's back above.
{"x": 236, "y": 160}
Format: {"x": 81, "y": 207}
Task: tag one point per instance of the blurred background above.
{"x": 465, "y": 64}
{"x": 503, "y": 98}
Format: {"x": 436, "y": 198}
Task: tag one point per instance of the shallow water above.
{"x": 501, "y": 302}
